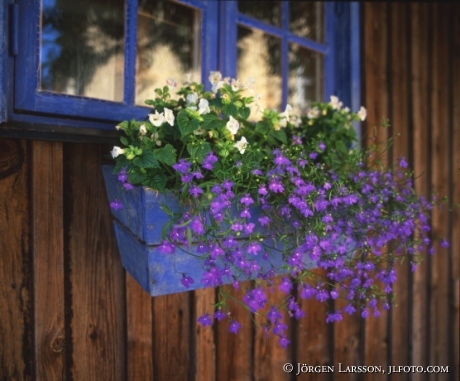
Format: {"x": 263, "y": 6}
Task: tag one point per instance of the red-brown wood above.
{"x": 420, "y": 51}
{"x": 15, "y": 254}
{"x": 139, "y": 322}
{"x": 48, "y": 254}
{"x": 377, "y": 103}
{"x": 96, "y": 276}
{"x": 439, "y": 330}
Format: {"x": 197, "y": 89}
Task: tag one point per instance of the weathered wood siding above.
{"x": 68, "y": 311}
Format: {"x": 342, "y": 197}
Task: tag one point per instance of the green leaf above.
{"x": 136, "y": 176}
{"x": 167, "y": 154}
{"x": 146, "y": 160}
{"x": 231, "y": 109}
{"x": 157, "y": 182}
{"x": 186, "y": 125}
{"x": 124, "y": 141}
{"x": 212, "y": 122}
{"x": 280, "y": 135}
{"x": 199, "y": 151}
{"x": 245, "y": 112}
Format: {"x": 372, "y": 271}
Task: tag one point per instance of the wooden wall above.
{"x": 68, "y": 311}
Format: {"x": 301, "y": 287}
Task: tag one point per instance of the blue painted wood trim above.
{"x": 228, "y": 54}
{"x": 130, "y": 52}
{"x": 285, "y": 53}
{"x": 356, "y": 60}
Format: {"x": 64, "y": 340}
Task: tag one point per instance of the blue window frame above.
{"x": 27, "y": 105}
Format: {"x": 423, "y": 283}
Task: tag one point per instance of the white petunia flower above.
{"x": 335, "y": 103}
{"x": 117, "y": 151}
{"x": 199, "y": 131}
{"x": 362, "y": 113}
{"x": 233, "y": 125}
{"x": 192, "y": 98}
{"x": 203, "y": 106}
{"x": 142, "y": 129}
{"x": 215, "y": 77}
{"x": 156, "y": 119}
{"x": 313, "y": 113}
{"x": 169, "y": 116}
{"x": 242, "y": 145}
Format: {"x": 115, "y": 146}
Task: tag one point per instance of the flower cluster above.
{"x": 278, "y": 196}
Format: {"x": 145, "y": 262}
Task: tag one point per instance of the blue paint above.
{"x": 32, "y": 108}
{"x": 138, "y": 230}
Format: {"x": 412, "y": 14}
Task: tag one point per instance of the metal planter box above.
{"x": 138, "y": 228}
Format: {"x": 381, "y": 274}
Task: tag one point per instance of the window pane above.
{"x": 169, "y": 46}
{"x": 268, "y": 11}
{"x": 82, "y": 48}
{"x": 307, "y": 19}
{"x": 259, "y": 57}
{"x": 306, "y": 77}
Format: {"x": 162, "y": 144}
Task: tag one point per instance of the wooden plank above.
{"x": 420, "y": 51}
{"x": 96, "y": 280}
{"x": 172, "y": 336}
{"x": 48, "y": 249}
{"x": 139, "y": 322}
{"x": 314, "y": 337}
{"x": 235, "y": 352}
{"x": 377, "y": 103}
{"x": 400, "y": 108}
{"x": 455, "y": 192}
{"x": 205, "y": 340}
{"x": 15, "y": 265}
{"x": 269, "y": 355}
{"x": 439, "y": 329}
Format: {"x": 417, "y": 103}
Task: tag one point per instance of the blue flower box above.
{"x": 139, "y": 227}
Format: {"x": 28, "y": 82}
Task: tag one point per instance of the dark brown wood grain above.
{"x": 455, "y": 195}
{"x": 139, "y": 325}
{"x": 172, "y": 337}
{"x": 97, "y": 286}
{"x": 377, "y": 102}
{"x": 205, "y": 345}
{"x": 314, "y": 338}
{"x": 16, "y": 351}
{"x": 48, "y": 259}
{"x": 420, "y": 51}
{"x": 439, "y": 330}
{"x": 402, "y": 132}
{"x": 235, "y": 352}
{"x": 270, "y": 355}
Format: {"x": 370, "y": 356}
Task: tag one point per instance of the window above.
{"x": 91, "y": 63}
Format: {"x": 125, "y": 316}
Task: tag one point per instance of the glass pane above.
{"x": 307, "y": 19}
{"x": 268, "y": 11}
{"x": 169, "y": 46}
{"x": 306, "y": 78}
{"x": 259, "y": 57}
{"x": 82, "y": 48}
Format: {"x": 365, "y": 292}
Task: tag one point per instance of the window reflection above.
{"x": 306, "y": 77}
{"x": 259, "y": 57}
{"x": 82, "y": 48}
{"x": 268, "y": 11}
{"x": 169, "y": 46}
{"x": 306, "y": 19}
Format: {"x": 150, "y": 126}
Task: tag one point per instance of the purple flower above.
{"x": 167, "y": 247}
{"x": 197, "y": 226}
{"x": 220, "y": 315}
{"x": 187, "y": 281}
{"x": 234, "y": 326}
{"x": 313, "y": 155}
{"x": 205, "y": 320}
{"x": 403, "y": 163}
{"x": 274, "y": 315}
{"x": 286, "y": 285}
{"x": 116, "y": 204}
{"x": 123, "y": 175}
{"x": 284, "y": 341}
{"x": 322, "y": 146}
{"x": 183, "y": 166}
{"x": 128, "y": 186}
{"x": 247, "y": 200}
{"x": 195, "y": 191}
